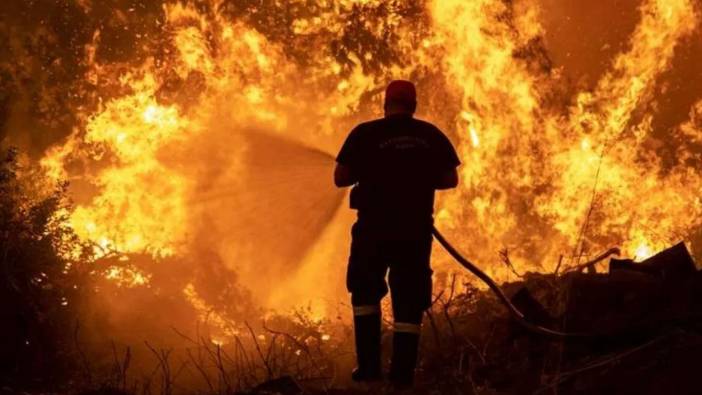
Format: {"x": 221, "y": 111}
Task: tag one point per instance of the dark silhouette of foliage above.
{"x": 41, "y": 279}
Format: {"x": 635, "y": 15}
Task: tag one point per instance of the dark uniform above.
{"x": 397, "y": 161}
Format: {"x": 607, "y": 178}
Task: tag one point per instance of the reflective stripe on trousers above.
{"x": 407, "y": 327}
{"x": 366, "y": 310}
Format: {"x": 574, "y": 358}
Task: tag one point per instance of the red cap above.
{"x": 401, "y": 91}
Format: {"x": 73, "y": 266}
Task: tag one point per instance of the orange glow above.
{"x": 540, "y": 179}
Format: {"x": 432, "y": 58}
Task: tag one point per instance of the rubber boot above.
{"x": 367, "y": 334}
{"x": 404, "y": 358}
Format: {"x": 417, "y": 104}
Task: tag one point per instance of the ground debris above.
{"x": 285, "y": 385}
{"x": 644, "y": 318}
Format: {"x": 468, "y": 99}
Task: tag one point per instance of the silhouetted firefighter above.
{"x": 395, "y": 164}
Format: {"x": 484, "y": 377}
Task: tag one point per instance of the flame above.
{"x": 541, "y": 183}
{"x": 147, "y": 196}
{"x": 127, "y": 277}
{"x": 643, "y": 251}
{"x": 542, "y": 177}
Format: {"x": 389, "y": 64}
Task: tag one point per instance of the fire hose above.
{"x": 517, "y": 315}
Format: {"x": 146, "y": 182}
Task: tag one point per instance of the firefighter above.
{"x": 395, "y": 164}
